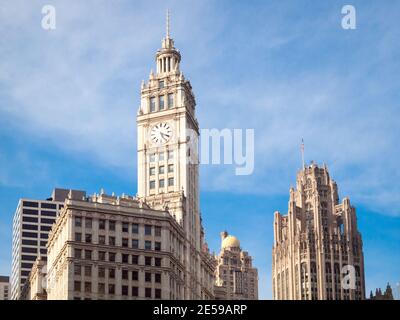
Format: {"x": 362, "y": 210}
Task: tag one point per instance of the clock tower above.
{"x": 168, "y": 166}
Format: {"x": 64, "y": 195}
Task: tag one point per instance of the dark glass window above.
{"x": 135, "y": 275}
{"x": 102, "y": 272}
{"x": 157, "y": 246}
{"x": 102, "y": 256}
{"x": 147, "y": 292}
{"x": 88, "y": 254}
{"x": 29, "y": 258}
{"x": 157, "y": 262}
{"x": 102, "y": 224}
{"x": 45, "y": 228}
{"x": 29, "y": 250}
{"x": 101, "y": 287}
{"x": 135, "y": 259}
{"x": 157, "y": 277}
{"x": 135, "y": 291}
{"x": 125, "y": 227}
{"x": 111, "y": 289}
{"x": 111, "y": 273}
{"x": 29, "y": 227}
{"x": 135, "y": 243}
{"x": 125, "y": 274}
{"x": 48, "y": 205}
{"x": 147, "y": 230}
{"x": 30, "y": 204}
{"x": 88, "y": 223}
{"x": 147, "y": 245}
{"x": 30, "y": 211}
{"x": 29, "y": 242}
{"x": 26, "y": 265}
{"x": 125, "y": 258}
{"x": 102, "y": 240}
{"x": 45, "y": 220}
{"x": 157, "y": 231}
{"x": 111, "y": 257}
{"x": 43, "y": 243}
{"x": 78, "y": 253}
{"x": 29, "y": 219}
{"x": 147, "y": 261}
{"x": 78, "y": 222}
{"x": 157, "y": 293}
{"x": 48, "y": 213}
{"x": 125, "y": 242}
{"x": 124, "y": 290}
{"x": 88, "y": 238}
{"x": 29, "y": 234}
{"x": 77, "y": 286}
{"x": 78, "y": 236}
{"x": 88, "y": 287}
{"x": 44, "y": 236}
{"x": 111, "y": 225}
{"x": 147, "y": 277}
{"x": 111, "y": 241}
{"x": 77, "y": 269}
{"x": 135, "y": 228}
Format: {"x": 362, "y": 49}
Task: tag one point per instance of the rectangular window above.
{"x": 157, "y": 293}
{"x": 125, "y": 274}
{"x": 48, "y": 213}
{"x": 111, "y": 257}
{"x": 102, "y": 224}
{"x": 147, "y": 277}
{"x": 77, "y": 286}
{"x": 88, "y": 271}
{"x": 157, "y": 231}
{"x": 88, "y": 254}
{"x": 111, "y": 241}
{"x": 147, "y": 261}
{"x": 101, "y": 288}
{"x": 135, "y": 243}
{"x": 135, "y": 228}
{"x": 161, "y": 156}
{"x": 157, "y": 246}
{"x": 48, "y": 205}
{"x": 157, "y": 262}
{"x": 125, "y": 227}
{"x": 125, "y": 242}
{"x": 30, "y": 204}
{"x": 111, "y": 273}
{"x": 135, "y": 259}
{"x": 78, "y": 222}
{"x": 147, "y": 245}
{"x": 88, "y": 238}
{"x": 88, "y": 223}
{"x": 29, "y": 242}
{"x": 170, "y": 182}
{"x": 49, "y": 221}
{"x": 161, "y": 103}
{"x": 125, "y": 258}
{"x": 170, "y": 168}
{"x": 135, "y": 291}
{"x": 111, "y": 225}
{"x": 102, "y": 256}
{"x": 29, "y": 219}
{"x": 77, "y": 269}
{"x": 29, "y": 227}
{"x": 44, "y": 236}
{"x": 152, "y": 171}
{"x": 170, "y": 101}
{"x": 111, "y": 289}
{"x": 161, "y": 183}
{"x": 170, "y": 155}
{"x": 77, "y": 253}
{"x": 148, "y": 292}
{"x": 152, "y": 104}
{"x": 157, "y": 277}
{"x": 30, "y": 211}
{"x": 124, "y": 290}
{"x": 152, "y": 158}
{"x": 161, "y": 170}
{"x": 45, "y": 228}
{"x": 147, "y": 230}
{"x": 78, "y": 236}
{"x": 102, "y": 272}
{"x": 161, "y": 84}
{"x": 152, "y": 184}
{"x": 88, "y": 287}
{"x": 135, "y": 275}
{"x": 102, "y": 240}
{"x": 29, "y": 234}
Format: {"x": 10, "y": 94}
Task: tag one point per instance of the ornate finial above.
{"x": 167, "y": 34}
{"x": 302, "y": 152}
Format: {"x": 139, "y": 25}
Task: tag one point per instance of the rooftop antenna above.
{"x": 302, "y": 152}
{"x": 167, "y": 24}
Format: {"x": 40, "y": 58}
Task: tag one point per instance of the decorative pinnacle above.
{"x": 167, "y": 35}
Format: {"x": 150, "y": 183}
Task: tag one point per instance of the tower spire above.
{"x": 302, "y": 152}
{"x": 168, "y": 17}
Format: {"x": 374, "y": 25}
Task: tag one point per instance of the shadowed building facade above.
{"x": 317, "y": 245}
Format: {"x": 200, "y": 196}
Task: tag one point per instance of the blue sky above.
{"x": 68, "y": 102}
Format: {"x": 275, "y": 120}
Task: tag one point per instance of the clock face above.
{"x": 161, "y": 133}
